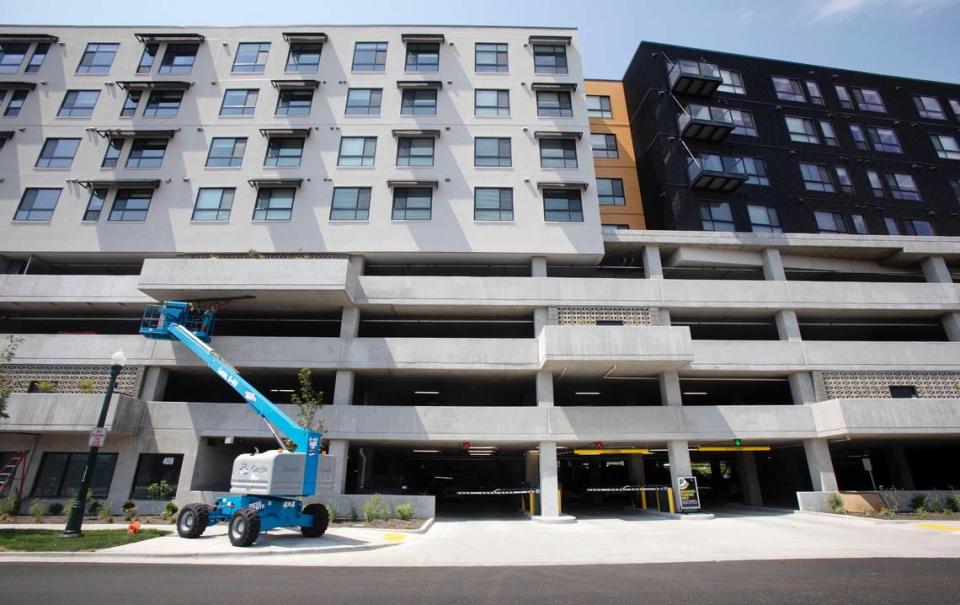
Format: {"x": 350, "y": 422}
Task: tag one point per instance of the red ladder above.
{"x": 9, "y": 472}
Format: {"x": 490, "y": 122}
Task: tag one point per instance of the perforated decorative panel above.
{"x": 876, "y": 385}
{"x": 590, "y": 316}
{"x": 265, "y": 255}
{"x": 73, "y": 378}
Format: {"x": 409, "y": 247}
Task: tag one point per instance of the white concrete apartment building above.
{"x": 411, "y": 213}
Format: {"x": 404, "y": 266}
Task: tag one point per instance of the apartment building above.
{"x": 412, "y": 213}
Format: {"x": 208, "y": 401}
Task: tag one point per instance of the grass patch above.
{"x": 49, "y": 540}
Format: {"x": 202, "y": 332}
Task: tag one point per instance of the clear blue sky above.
{"x": 916, "y": 38}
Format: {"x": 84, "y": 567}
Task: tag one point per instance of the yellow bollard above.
{"x": 670, "y": 499}
{"x": 523, "y": 503}
{"x": 559, "y": 502}
{"x": 643, "y": 499}
{"x": 658, "y": 500}
{"x": 533, "y": 508}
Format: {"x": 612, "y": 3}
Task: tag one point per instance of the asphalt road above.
{"x": 874, "y": 581}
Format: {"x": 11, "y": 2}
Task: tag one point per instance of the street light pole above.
{"x": 75, "y": 521}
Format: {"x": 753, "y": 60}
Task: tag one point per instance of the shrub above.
{"x": 169, "y": 511}
{"x": 353, "y": 512}
{"x": 331, "y": 512}
{"x": 916, "y": 502}
{"x": 893, "y": 497}
{"x": 129, "y": 513}
{"x": 376, "y": 508}
{"x": 869, "y": 512}
{"x": 85, "y": 385}
{"x": 36, "y": 511}
{"x": 94, "y": 507}
{"x": 888, "y": 513}
{"x": 932, "y": 504}
{"x": 160, "y": 490}
{"x": 45, "y": 386}
{"x": 835, "y": 502}
{"x": 953, "y": 503}
{"x": 10, "y": 505}
{"x": 55, "y": 509}
{"x": 404, "y": 511}
{"x": 128, "y": 505}
{"x": 920, "y": 512}
{"x": 105, "y": 514}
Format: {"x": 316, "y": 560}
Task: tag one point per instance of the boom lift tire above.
{"x": 192, "y": 520}
{"x": 321, "y": 519}
{"x": 244, "y": 527}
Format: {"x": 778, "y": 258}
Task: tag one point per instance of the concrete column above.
{"x": 787, "y": 326}
{"x": 749, "y": 479}
{"x": 549, "y": 503}
{"x": 343, "y": 387}
{"x": 339, "y": 448}
{"x": 540, "y": 318}
{"x": 670, "y": 388}
{"x": 773, "y": 265}
{"x": 652, "y": 265}
{"x": 801, "y": 388}
{"x": 532, "y": 468}
{"x": 935, "y": 270}
{"x": 545, "y": 389}
{"x": 951, "y": 325}
{"x": 678, "y": 452}
{"x": 154, "y": 383}
{"x": 350, "y": 322}
{"x": 538, "y": 266}
{"x": 822, "y": 476}
{"x": 635, "y": 470}
{"x": 900, "y": 467}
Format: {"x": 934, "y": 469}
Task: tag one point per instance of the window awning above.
{"x": 557, "y": 134}
{"x": 6, "y": 134}
{"x": 15, "y": 85}
{"x": 127, "y": 133}
{"x": 154, "y": 84}
{"x": 422, "y": 38}
{"x": 565, "y": 40}
{"x": 305, "y": 37}
{"x": 28, "y": 38}
{"x": 309, "y": 84}
{"x": 169, "y": 37}
{"x": 416, "y": 132}
{"x": 120, "y": 183}
{"x": 285, "y": 132}
{"x": 433, "y": 184}
{"x": 420, "y": 84}
{"x": 274, "y": 182}
{"x": 567, "y": 86}
{"x": 563, "y": 185}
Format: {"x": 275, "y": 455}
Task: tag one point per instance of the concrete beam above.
{"x": 549, "y": 501}
{"x": 822, "y": 475}
{"x": 652, "y": 264}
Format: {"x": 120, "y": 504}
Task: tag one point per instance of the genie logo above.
{"x": 249, "y": 396}
{"x": 231, "y": 380}
{"x": 312, "y": 445}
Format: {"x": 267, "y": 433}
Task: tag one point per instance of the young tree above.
{"x": 7, "y": 351}
{"x": 308, "y": 401}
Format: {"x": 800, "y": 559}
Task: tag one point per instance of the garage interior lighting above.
{"x": 281, "y": 390}
{"x": 426, "y": 392}
{"x": 588, "y": 392}
{"x": 694, "y": 392}
{"x": 426, "y": 451}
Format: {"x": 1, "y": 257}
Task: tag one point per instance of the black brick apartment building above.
{"x": 737, "y": 143}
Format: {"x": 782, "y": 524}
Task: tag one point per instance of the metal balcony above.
{"x": 716, "y": 173}
{"x": 705, "y": 123}
{"x": 694, "y": 78}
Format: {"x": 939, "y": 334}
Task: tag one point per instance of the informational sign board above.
{"x": 98, "y": 436}
{"x": 688, "y": 495}
{"x": 867, "y": 465}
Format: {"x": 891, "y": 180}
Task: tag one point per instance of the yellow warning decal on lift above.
{"x": 598, "y": 452}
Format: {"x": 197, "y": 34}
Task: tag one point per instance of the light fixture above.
{"x": 426, "y": 392}
{"x": 281, "y": 390}
{"x": 426, "y": 451}
{"x": 588, "y": 392}
{"x": 118, "y": 359}
{"x": 694, "y": 392}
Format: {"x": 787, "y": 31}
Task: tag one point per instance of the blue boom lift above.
{"x": 270, "y": 485}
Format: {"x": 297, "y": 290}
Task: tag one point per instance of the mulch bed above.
{"x": 62, "y": 519}
{"x": 381, "y": 524}
{"x": 912, "y": 517}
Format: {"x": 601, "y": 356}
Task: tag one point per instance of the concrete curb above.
{"x": 871, "y": 520}
{"x": 196, "y": 556}
{"x": 421, "y": 530}
{"x": 678, "y": 516}
{"x": 560, "y": 520}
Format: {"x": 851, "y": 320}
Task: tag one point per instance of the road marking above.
{"x": 394, "y": 537}
{"x": 939, "y": 526}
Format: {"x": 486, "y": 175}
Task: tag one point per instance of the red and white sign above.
{"x": 98, "y": 436}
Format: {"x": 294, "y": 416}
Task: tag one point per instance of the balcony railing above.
{"x": 705, "y": 123}
{"x": 716, "y": 172}
{"x": 694, "y": 78}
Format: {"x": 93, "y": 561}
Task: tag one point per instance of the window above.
{"x": 604, "y": 146}
{"x": 903, "y": 187}
{"x": 364, "y": 101}
{"x": 148, "y": 58}
{"x": 112, "y": 155}
{"x": 558, "y": 153}
{"x": 423, "y": 56}
{"x": 946, "y": 146}
{"x": 876, "y": 183}
{"x": 350, "y": 204}
{"x": 599, "y": 106}
{"x": 251, "y": 57}
{"x": 830, "y": 222}
{"x": 844, "y": 96}
{"x": 412, "y": 203}
{"x": 36, "y": 60}
{"x": 12, "y": 55}
{"x": 369, "y": 56}
{"x": 813, "y": 91}
{"x": 146, "y": 153}
{"x": 357, "y": 151}
{"x": 884, "y": 139}
{"x": 294, "y": 102}
{"x": 418, "y": 102}
{"x": 239, "y": 102}
{"x": 414, "y": 151}
{"x": 304, "y": 57}
{"x": 178, "y": 59}
{"x": 493, "y": 204}
{"x": 491, "y": 58}
{"x": 869, "y": 99}
{"x": 153, "y": 468}
{"x": 61, "y": 473}
{"x": 756, "y": 171}
{"x": 743, "y": 123}
{"x": 816, "y": 178}
{"x": 37, "y": 204}
{"x": 562, "y": 206}
{"x": 829, "y": 134}
{"x": 492, "y": 152}
{"x": 955, "y": 107}
{"x": 891, "y": 224}
{"x": 716, "y": 216}
{"x": 95, "y": 205}
{"x": 274, "y": 204}
{"x": 763, "y": 219}
{"x": 97, "y": 58}
{"x": 917, "y": 227}
{"x": 903, "y": 392}
{"x": 16, "y": 103}
{"x": 226, "y": 152}
{"x": 554, "y": 104}
{"x": 130, "y": 205}
{"x": 284, "y": 152}
{"x": 732, "y": 82}
{"x": 163, "y": 104}
{"x": 802, "y": 130}
{"x": 859, "y": 224}
{"x": 859, "y": 138}
{"x": 843, "y": 177}
{"x": 610, "y": 192}
{"x": 57, "y": 153}
{"x": 788, "y": 89}
{"x": 213, "y": 204}
{"x": 929, "y": 107}
{"x": 130, "y": 103}
{"x": 550, "y": 58}
{"x": 78, "y": 103}
{"x": 492, "y": 103}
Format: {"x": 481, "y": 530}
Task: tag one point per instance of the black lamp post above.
{"x": 75, "y": 521}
